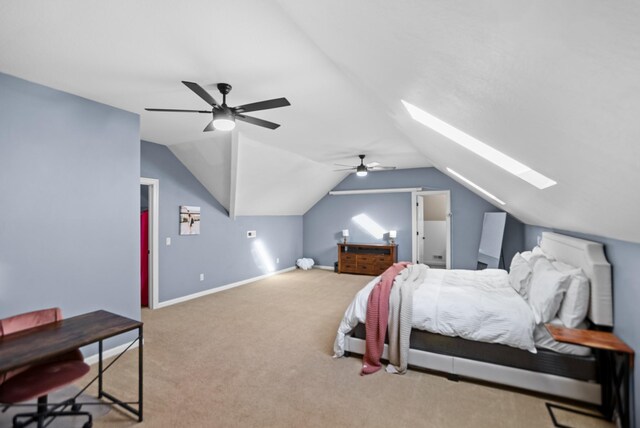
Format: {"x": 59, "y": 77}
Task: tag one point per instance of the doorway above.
{"x": 149, "y": 193}
{"x": 432, "y": 228}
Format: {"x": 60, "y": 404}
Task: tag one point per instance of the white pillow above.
{"x": 546, "y": 291}
{"x": 520, "y": 275}
{"x": 526, "y": 255}
{"x": 537, "y": 252}
{"x": 575, "y": 304}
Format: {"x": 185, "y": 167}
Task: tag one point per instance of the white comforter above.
{"x": 474, "y": 305}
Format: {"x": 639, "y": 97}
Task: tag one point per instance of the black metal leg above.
{"x": 551, "y": 406}
{"x": 42, "y": 410}
{"x": 100, "y": 369}
{"x": 621, "y": 378}
{"x": 607, "y": 383}
{"x": 615, "y": 375}
{"x": 140, "y": 370}
{"x": 105, "y": 395}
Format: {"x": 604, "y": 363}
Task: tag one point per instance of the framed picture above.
{"x": 189, "y": 220}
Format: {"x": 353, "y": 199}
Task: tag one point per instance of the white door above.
{"x": 420, "y": 227}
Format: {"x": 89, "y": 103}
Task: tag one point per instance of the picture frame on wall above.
{"x": 189, "y": 220}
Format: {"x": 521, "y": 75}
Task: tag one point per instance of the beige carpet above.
{"x": 260, "y": 356}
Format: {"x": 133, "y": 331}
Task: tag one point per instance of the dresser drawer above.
{"x": 367, "y": 268}
{"x": 349, "y": 257}
{"x": 366, "y": 258}
{"x": 384, "y": 259}
{"x": 348, "y": 267}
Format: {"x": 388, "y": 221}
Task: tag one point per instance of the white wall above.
{"x": 435, "y": 242}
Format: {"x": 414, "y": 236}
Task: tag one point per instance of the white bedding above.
{"x": 474, "y": 305}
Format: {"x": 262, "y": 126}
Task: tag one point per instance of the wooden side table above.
{"x": 616, "y": 367}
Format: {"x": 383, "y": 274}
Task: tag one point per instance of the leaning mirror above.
{"x": 490, "y": 248}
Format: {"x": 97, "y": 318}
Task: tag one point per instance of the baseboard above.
{"x": 221, "y": 288}
{"x": 93, "y": 359}
{"x": 323, "y": 267}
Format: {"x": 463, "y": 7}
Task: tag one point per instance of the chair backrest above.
{"x": 29, "y": 320}
{"x": 22, "y": 322}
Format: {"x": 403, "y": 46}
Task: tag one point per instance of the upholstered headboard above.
{"x": 589, "y": 256}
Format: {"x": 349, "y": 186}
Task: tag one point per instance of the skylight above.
{"x": 475, "y": 186}
{"x": 478, "y": 147}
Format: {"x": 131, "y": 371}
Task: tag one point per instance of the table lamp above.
{"x": 392, "y": 236}
{"x": 345, "y": 234}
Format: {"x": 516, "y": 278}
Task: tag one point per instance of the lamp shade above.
{"x": 393, "y": 234}
{"x": 345, "y": 232}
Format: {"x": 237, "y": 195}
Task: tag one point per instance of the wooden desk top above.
{"x": 591, "y": 338}
{"x": 41, "y": 343}
{"x": 354, "y": 244}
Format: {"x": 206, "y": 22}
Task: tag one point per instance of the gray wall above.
{"x": 325, "y": 220}
{"x": 624, "y": 258}
{"x": 69, "y": 198}
{"x": 222, "y": 251}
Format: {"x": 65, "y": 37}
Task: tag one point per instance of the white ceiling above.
{"x": 553, "y": 84}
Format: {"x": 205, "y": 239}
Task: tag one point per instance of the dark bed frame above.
{"x": 545, "y": 361}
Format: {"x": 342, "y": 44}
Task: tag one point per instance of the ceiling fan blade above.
{"x": 346, "y": 169}
{"x": 378, "y": 168}
{"x": 256, "y": 121}
{"x": 209, "y": 127}
{"x": 350, "y": 166}
{"x": 178, "y": 111}
{"x": 199, "y": 90}
{"x": 373, "y": 164}
{"x": 262, "y": 105}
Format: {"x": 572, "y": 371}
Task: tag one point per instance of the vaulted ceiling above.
{"x": 552, "y": 84}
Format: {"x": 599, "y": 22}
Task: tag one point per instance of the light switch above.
{"x": 168, "y": 241}
{"x": 201, "y": 277}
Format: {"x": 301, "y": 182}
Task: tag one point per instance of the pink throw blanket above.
{"x": 377, "y": 319}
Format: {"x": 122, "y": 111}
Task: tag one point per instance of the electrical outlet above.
{"x": 201, "y": 277}
{"x": 277, "y": 260}
{"x": 251, "y": 234}
{"x": 168, "y": 241}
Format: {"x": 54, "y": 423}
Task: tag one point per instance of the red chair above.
{"x": 37, "y": 381}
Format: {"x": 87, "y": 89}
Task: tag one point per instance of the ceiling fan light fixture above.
{"x": 361, "y": 171}
{"x": 223, "y": 121}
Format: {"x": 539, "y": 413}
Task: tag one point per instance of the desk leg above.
{"x": 100, "y": 369}
{"x": 140, "y": 367}
{"x": 622, "y": 377}
{"x": 615, "y": 386}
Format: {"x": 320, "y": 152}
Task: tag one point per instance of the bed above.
{"x": 541, "y": 370}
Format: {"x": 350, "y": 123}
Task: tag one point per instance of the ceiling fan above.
{"x": 224, "y": 117}
{"x": 362, "y": 169}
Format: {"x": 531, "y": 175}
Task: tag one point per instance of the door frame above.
{"x": 414, "y": 230}
{"x": 154, "y": 203}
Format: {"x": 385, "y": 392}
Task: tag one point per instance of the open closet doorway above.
{"x": 432, "y": 228}
{"x": 149, "y": 193}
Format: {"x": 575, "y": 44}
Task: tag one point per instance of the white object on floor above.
{"x": 305, "y": 264}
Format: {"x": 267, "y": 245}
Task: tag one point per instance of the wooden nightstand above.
{"x": 616, "y": 367}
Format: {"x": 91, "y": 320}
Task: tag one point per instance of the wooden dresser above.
{"x": 366, "y": 259}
